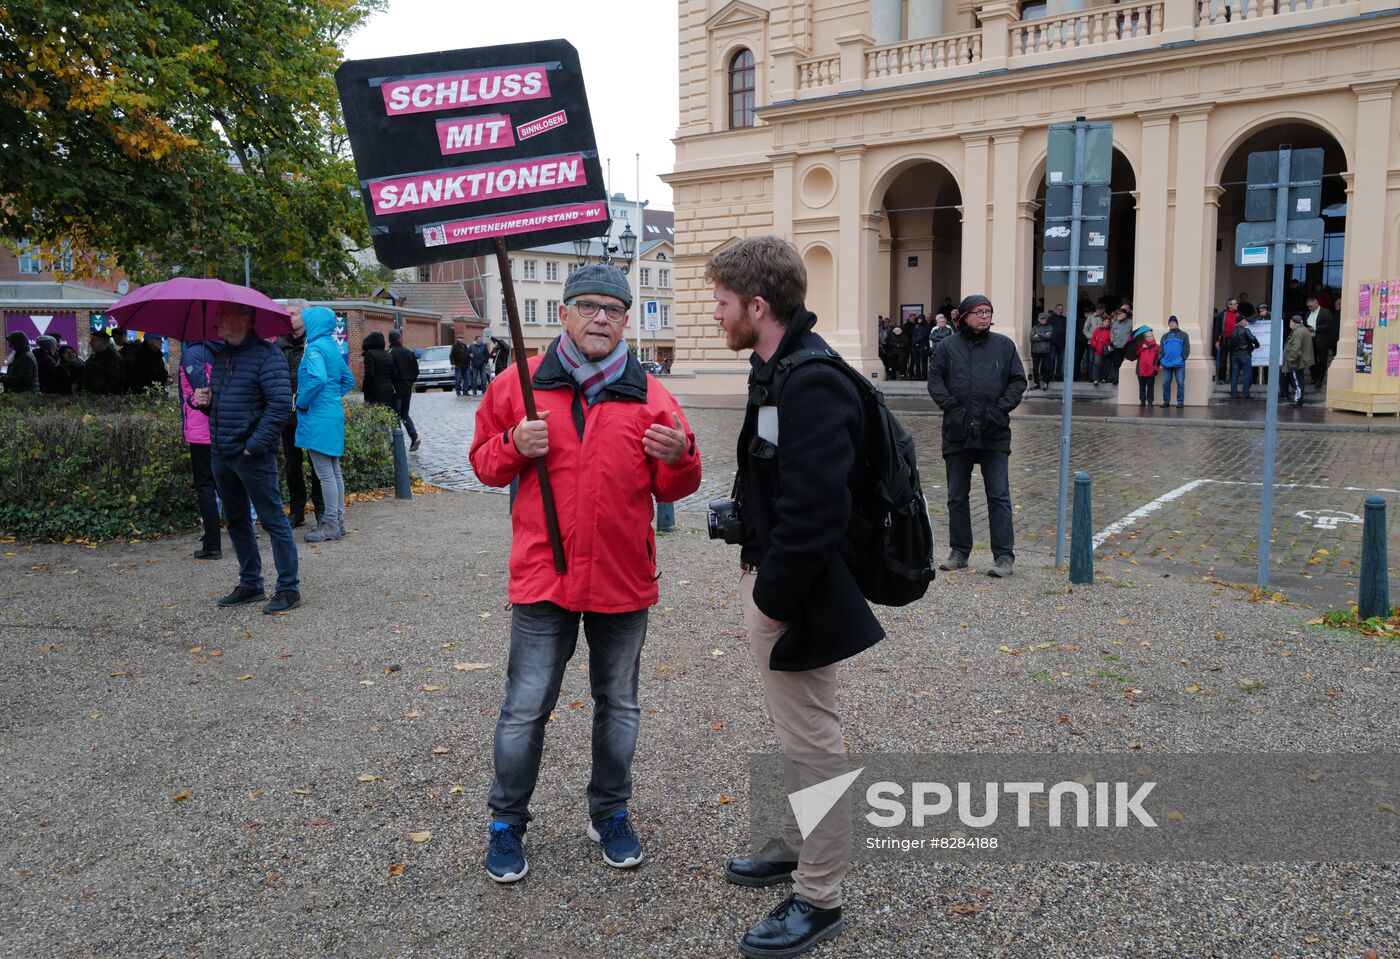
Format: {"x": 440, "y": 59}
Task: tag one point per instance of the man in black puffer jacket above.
{"x": 977, "y": 379}
{"x": 249, "y": 401}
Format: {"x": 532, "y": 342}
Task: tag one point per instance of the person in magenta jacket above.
{"x": 612, "y": 438}
{"x": 196, "y": 363}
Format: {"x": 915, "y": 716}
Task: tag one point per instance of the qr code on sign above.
{"x": 435, "y": 236}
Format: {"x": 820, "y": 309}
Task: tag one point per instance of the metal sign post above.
{"x": 1091, "y": 167}
{"x": 1289, "y": 239}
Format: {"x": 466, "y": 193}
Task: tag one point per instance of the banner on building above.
{"x": 458, "y": 149}
{"x": 64, "y": 326}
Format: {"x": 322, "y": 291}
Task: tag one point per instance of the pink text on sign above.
{"x": 543, "y": 125}
{"x": 480, "y": 228}
{"x": 447, "y": 91}
{"x": 465, "y": 134}
{"x": 475, "y": 184}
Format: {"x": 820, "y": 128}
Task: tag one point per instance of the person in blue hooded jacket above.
{"x": 322, "y": 379}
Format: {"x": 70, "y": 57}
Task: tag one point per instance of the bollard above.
{"x": 1373, "y": 597}
{"x": 665, "y": 517}
{"x": 1081, "y": 545}
{"x": 403, "y": 483}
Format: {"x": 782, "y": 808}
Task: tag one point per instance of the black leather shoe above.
{"x": 208, "y": 554}
{"x": 773, "y": 864}
{"x": 241, "y": 595}
{"x": 791, "y": 929}
{"x": 282, "y": 601}
{"x": 298, "y": 517}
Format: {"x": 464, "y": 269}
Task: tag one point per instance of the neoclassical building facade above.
{"x": 901, "y": 145}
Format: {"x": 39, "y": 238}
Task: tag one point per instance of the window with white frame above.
{"x": 29, "y": 261}
{"x": 551, "y": 271}
{"x": 551, "y": 312}
{"x": 665, "y": 278}
{"x": 62, "y": 258}
{"x": 665, "y": 316}
{"x": 532, "y": 309}
{"x": 646, "y": 276}
{"x": 512, "y": 268}
{"x": 530, "y": 266}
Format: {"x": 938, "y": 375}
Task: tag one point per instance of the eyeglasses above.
{"x": 980, "y": 311}
{"x": 588, "y": 309}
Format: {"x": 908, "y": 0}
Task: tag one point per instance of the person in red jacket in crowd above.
{"x": 1149, "y": 361}
{"x": 1100, "y": 344}
{"x": 613, "y": 439}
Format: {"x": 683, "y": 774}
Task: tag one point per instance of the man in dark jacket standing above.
{"x": 477, "y": 355}
{"x": 293, "y": 346}
{"x": 460, "y": 358}
{"x": 1326, "y": 335}
{"x": 977, "y": 380}
{"x": 104, "y": 374}
{"x": 797, "y": 476}
{"x": 249, "y": 401}
{"x": 405, "y": 374}
{"x": 22, "y": 375}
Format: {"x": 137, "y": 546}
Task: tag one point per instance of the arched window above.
{"x": 741, "y": 90}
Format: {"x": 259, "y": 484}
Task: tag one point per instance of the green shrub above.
{"x": 96, "y": 468}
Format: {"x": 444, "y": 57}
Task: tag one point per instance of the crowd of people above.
{"x": 477, "y": 363}
{"x": 117, "y": 364}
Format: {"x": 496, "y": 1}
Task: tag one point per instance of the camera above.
{"x": 725, "y": 522}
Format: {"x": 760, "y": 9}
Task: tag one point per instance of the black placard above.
{"x": 457, "y": 149}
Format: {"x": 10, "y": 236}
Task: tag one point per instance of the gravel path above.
{"x": 125, "y": 689}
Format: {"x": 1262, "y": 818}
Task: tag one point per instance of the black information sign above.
{"x": 458, "y": 149}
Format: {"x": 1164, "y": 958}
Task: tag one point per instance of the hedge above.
{"x": 103, "y": 467}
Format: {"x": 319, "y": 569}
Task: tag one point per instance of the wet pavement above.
{"x": 1184, "y": 501}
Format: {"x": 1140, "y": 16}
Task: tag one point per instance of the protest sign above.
{"x": 457, "y": 149}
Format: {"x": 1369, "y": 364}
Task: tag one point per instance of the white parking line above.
{"x": 1152, "y": 507}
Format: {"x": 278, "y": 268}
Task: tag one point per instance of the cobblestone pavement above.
{"x": 1165, "y": 496}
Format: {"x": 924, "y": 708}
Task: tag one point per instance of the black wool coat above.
{"x": 796, "y": 504}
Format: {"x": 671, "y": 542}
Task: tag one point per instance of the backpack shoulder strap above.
{"x": 802, "y": 357}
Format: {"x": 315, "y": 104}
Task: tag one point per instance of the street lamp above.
{"x": 581, "y": 248}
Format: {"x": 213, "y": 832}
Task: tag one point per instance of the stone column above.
{"x": 1193, "y": 251}
{"x": 1366, "y": 215}
{"x": 784, "y": 192}
{"x": 925, "y": 18}
{"x": 886, "y": 21}
{"x": 1008, "y": 271}
{"x": 1152, "y": 257}
{"x": 974, "y": 203}
{"x": 997, "y": 18}
{"x": 857, "y": 251}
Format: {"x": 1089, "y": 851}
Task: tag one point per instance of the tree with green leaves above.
{"x": 176, "y": 135}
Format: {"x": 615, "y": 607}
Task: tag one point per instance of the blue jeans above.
{"x": 478, "y": 379}
{"x": 243, "y": 478}
{"x": 1241, "y": 371}
{"x": 1170, "y": 373}
{"x": 542, "y": 641}
{"x": 463, "y": 380}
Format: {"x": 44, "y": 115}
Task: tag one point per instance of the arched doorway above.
{"x": 923, "y": 238}
{"x": 1118, "y": 277}
{"x": 1254, "y": 285}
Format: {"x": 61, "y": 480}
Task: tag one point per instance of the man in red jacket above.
{"x": 613, "y": 438}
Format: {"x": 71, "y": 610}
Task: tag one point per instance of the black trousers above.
{"x": 294, "y": 467}
{"x": 201, "y": 464}
{"x": 997, "y": 481}
{"x": 1043, "y": 367}
{"x": 403, "y": 396}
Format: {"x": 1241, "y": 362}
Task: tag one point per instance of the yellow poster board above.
{"x": 1375, "y": 384}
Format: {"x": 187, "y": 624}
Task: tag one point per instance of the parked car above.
{"x": 435, "y": 369}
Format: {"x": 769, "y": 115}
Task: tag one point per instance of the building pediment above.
{"x": 734, "y": 13}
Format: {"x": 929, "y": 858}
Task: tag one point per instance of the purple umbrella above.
{"x": 186, "y": 309}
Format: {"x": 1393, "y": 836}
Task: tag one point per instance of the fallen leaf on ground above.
{"x": 440, "y": 750}
{"x": 576, "y": 704}
{"x": 470, "y": 667}
{"x": 1193, "y": 688}
{"x": 423, "y": 836}
{"x": 302, "y": 792}
{"x": 412, "y": 714}
{"x": 964, "y": 910}
{"x": 243, "y": 679}
{"x": 430, "y": 687}
{"x": 455, "y": 790}
{"x": 254, "y": 795}
{"x": 180, "y": 797}
{"x": 717, "y": 726}
{"x": 725, "y": 799}
{"x": 1175, "y": 816}
{"x": 366, "y": 778}
{"x": 396, "y": 869}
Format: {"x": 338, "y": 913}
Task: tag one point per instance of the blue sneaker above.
{"x": 621, "y": 847}
{"x": 505, "y": 857}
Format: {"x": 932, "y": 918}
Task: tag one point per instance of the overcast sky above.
{"x": 629, "y": 54}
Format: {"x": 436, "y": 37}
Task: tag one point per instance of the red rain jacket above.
{"x": 603, "y": 484}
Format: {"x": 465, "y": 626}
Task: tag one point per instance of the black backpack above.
{"x": 889, "y": 541}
